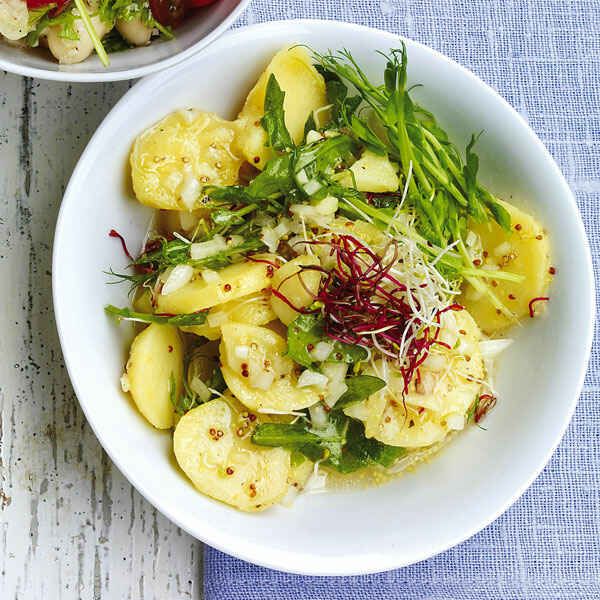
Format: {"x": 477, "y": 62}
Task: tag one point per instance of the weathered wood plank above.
{"x": 71, "y": 526}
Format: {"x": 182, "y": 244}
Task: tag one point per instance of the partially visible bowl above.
{"x": 202, "y": 28}
{"x": 481, "y": 473}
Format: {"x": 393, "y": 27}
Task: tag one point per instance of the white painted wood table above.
{"x": 71, "y": 526}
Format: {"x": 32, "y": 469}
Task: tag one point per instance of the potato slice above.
{"x": 172, "y": 160}
{"x": 436, "y": 404}
{"x": 374, "y": 173}
{"x": 14, "y": 19}
{"x": 226, "y": 465}
{"x": 236, "y": 281}
{"x": 257, "y": 372}
{"x": 287, "y": 281}
{"x": 525, "y": 251}
{"x": 156, "y": 354}
{"x": 304, "y": 91}
{"x": 143, "y": 301}
{"x": 252, "y": 310}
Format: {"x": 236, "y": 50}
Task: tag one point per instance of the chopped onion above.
{"x": 202, "y": 250}
{"x": 327, "y": 206}
{"x": 335, "y": 371}
{"x": 210, "y": 276}
{"x": 316, "y": 482}
{"x": 503, "y": 248}
{"x": 199, "y": 387}
{"x": 269, "y": 238}
{"x": 318, "y": 415}
{"x": 180, "y": 275}
{"x": 217, "y": 318}
{"x": 455, "y": 421}
{"x": 242, "y": 351}
{"x": 262, "y": 380}
{"x": 312, "y": 187}
{"x": 188, "y": 114}
{"x": 471, "y": 239}
{"x": 190, "y": 190}
{"x": 309, "y": 377}
{"x": 235, "y": 240}
{"x": 335, "y": 390}
{"x": 290, "y": 496}
{"x": 313, "y": 136}
{"x": 321, "y": 351}
{"x": 187, "y": 219}
{"x": 125, "y": 384}
{"x": 491, "y": 348}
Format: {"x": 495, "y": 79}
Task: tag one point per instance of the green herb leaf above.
{"x": 273, "y": 121}
{"x": 65, "y": 20}
{"x": 91, "y": 31}
{"x": 182, "y": 320}
{"x": 113, "y": 42}
{"x": 308, "y": 329}
{"x": 341, "y": 444}
{"x": 360, "y": 387}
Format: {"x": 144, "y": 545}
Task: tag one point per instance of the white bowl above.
{"x": 202, "y": 28}
{"x": 444, "y": 502}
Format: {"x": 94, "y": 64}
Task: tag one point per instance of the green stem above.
{"x": 89, "y": 26}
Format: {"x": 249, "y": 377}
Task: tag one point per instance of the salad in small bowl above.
{"x": 118, "y": 39}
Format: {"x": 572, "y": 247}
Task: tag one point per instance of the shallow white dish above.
{"x": 444, "y": 502}
{"x": 202, "y": 28}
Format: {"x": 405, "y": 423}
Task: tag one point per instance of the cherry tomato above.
{"x": 199, "y": 3}
{"x": 60, "y": 4}
{"x": 168, "y": 12}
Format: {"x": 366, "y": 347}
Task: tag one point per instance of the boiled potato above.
{"x": 236, "y": 281}
{"x": 373, "y": 173}
{"x": 366, "y": 232}
{"x": 70, "y": 52}
{"x": 173, "y": 160}
{"x": 156, "y": 354}
{"x": 143, "y": 301}
{"x": 437, "y": 402}
{"x": 252, "y": 310}
{"x": 14, "y": 19}
{"x": 525, "y": 251}
{"x": 257, "y": 372}
{"x": 287, "y": 281}
{"x": 212, "y": 445}
{"x": 304, "y": 91}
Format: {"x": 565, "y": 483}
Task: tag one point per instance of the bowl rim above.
{"x": 133, "y": 73}
{"x": 325, "y": 569}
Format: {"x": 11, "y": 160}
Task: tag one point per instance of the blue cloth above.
{"x": 543, "y": 56}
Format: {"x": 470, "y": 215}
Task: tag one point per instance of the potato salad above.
{"x": 326, "y": 285}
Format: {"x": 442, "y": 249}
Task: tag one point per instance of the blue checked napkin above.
{"x": 543, "y": 56}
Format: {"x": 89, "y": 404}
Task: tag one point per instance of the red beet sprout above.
{"x": 115, "y": 234}
{"x": 263, "y": 260}
{"x": 484, "y": 405}
{"x": 533, "y": 301}
{"x": 362, "y": 303}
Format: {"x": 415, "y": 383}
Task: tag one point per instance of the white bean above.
{"x": 70, "y": 52}
{"x": 134, "y": 31}
{"x": 14, "y": 19}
